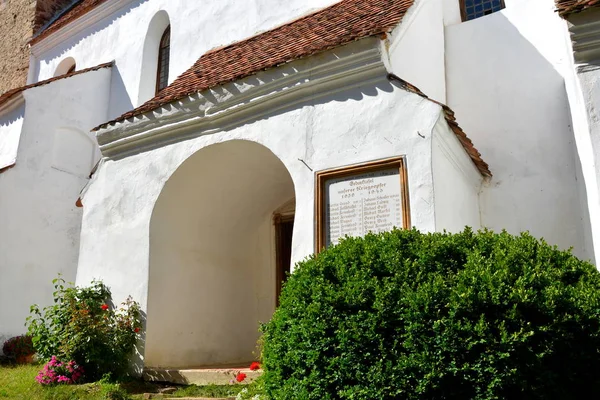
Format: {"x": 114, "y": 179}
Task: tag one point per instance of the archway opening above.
{"x": 213, "y": 256}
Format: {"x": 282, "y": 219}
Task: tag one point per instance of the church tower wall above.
{"x": 16, "y": 28}
{"x": 19, "y": 19}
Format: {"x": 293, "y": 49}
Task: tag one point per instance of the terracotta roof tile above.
{"x": 568, "y": 7}
{"x": 462, "y": 137}
{"x": 331, "y": 27}
{"x": 8, "y": 95}
{"x": 46, "y": 11}
{"x": 77, "y": 10}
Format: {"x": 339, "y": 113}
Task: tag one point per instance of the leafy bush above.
{"x": 405, "y": 315}
{"x": 83, "y": 327}
{"x": 18, "y": 346}
{"x": 254, "y": 391}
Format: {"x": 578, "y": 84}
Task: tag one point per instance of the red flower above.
{"x": 104, "y": 307}
{"x": 240, "y": 377}
{"x": 136, "y": 330}
{"x": 254, "y": 366}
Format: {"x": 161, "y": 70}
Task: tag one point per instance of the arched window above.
{"x": 471, "y": 9}
{"x": 154, "y": 72}
{"x": 66, "y": 66}
{"x": 162, "y": 73}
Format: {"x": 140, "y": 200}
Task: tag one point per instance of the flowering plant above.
{"x": 83, "y": 326}
{"x": 56, "y": 372}
{"x": 255, "y": 366}
{"x": 18, "y": 346}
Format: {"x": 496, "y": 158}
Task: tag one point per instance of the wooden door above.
{"x": 284, "y": 228}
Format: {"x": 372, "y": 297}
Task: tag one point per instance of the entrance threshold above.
{"x": 200, "y": 376}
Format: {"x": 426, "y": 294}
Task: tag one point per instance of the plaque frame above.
{"x": 321, "y": 178}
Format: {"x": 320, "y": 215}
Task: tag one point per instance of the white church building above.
{"x": 188, "y": 153}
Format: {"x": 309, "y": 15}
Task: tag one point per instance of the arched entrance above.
{"x": 213, "y": 257}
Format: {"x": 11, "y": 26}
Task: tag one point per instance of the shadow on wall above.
{"x": 58, "y": 51}
{"x": 250, "y": 116}
{"x": 120, "y": 102}
{"x": 12, "y": 117}
{"x": 211, "y": 271}
{"x": 513, "y": 104}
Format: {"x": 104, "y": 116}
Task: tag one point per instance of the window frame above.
{"x": 463, "y": 10}
{"x": 322, "y": 177}
{"x": 159, "y": 69}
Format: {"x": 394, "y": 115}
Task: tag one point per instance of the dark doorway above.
{"x": 284, "y": 228}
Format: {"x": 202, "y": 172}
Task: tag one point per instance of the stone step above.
{"x": 200, "y": 376}
{"x": 152, "y": 396}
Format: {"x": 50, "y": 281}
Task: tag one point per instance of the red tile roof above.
{"x": 568, "y": 7}
{"x": 76, "y": 11}
{"x": 8, "y": 95}
{"x": 331, "y": 27}
{"x": 462, "y": 137}
{"x": 47, "y": 11}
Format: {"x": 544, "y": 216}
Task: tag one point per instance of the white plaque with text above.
{"x": 358, "y": 204}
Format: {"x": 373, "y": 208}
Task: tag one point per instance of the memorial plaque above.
{"x": 360, "y": 199}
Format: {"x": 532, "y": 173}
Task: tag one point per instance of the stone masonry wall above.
{"x": 18, "y": 20}
{"x": 16, "y": 28}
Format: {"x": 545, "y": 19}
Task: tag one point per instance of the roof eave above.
{"x": 55, "y": 34}
{"x": 7, "y": 97}
{"x": 248, "y": 98}
{"x": 566, "y": 9}
{"x": 12, "y": 103}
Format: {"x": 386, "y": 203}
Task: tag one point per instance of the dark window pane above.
{"x": 162, "y": 75}
{"x": 478, "y": 8}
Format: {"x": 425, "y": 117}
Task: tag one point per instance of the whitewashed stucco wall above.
{"x": 586, "y": 124}
{"x": 416, "y": 48}
{"x": 583, "y": 84}
{"x": 11, "y": 122}
{"x": 451, "y": 12}
{"x": 352, "y": 126}
{"x": 456, "y": 182}
{"x": 196, "y": 27}
{"x": 506, "y": 83}
{"x": 39, "y": 222}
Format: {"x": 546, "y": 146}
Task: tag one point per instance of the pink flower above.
{"x": 56, "y": 372}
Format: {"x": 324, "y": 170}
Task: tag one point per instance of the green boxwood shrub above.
{"x": 405, "y": 315}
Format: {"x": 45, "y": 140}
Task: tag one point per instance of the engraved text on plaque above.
{"x": 358, "y": 204}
